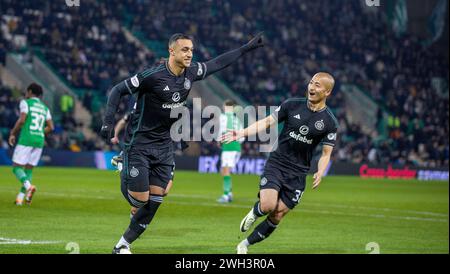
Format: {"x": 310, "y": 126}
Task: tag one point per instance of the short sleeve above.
{"x": 330, "y": 138}
{"x": 23, "y": 107}
{"x": 49, "y": 116}
{"x": 281, "y": 113}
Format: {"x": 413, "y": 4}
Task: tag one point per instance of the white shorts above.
{"x": 24, "y": 155}
{"x": 230, "y": 158}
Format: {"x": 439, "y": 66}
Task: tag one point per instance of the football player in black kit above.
{"x": 149, "y": 153}
{"x": 117, "y": 161}
{"x": 307, "y": 123}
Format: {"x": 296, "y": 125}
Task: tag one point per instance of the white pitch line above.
{"x": 8, "y": 241}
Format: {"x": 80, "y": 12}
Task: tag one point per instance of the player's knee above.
{"x": 268, "y": 206}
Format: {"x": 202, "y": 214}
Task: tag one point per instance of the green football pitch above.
{"x": 83, "y": 209}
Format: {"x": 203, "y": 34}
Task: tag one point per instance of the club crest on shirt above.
{"x": 187, "y": 83}
{"x": 319, "y": 125}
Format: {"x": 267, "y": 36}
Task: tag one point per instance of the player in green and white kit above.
{"x": 34, "y": 115}
{"x": 231, "y": 153}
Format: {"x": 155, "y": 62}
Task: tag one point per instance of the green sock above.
{"x": 226, "y": 184}
{"x": 20, "y": 174}
{"x": 29, "y": 173}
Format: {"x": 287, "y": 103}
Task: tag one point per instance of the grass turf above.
{"x": 85, "y": 206}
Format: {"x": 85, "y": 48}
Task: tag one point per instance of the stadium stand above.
{"x": 398, "y": 73}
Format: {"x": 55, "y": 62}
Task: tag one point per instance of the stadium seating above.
{"x": 89, "y": 50}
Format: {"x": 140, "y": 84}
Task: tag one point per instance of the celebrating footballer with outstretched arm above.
{"x": 308, "y": 122}
{"x": 148, "y": 153}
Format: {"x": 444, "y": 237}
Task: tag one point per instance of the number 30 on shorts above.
{"x": 298, "y": 196}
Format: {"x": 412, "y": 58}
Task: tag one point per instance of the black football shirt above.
{"x": 303, "y": 131}
{"x": 158, "y": 92}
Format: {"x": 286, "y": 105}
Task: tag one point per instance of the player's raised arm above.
{"x": 253, "y": 129}
{"x": 226, "y": 59}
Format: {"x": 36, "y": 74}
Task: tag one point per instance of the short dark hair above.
{"x": 229, "y": 103}
{"x": 179, "y": 36}
{"x": 35, "y": 89}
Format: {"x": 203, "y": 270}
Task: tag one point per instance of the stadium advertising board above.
{"x": 211, "y": 164}
{"x": 390, "y": 172}
{"x": 246, "y": 165}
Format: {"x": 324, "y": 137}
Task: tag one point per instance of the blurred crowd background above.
{"x": 406, "y": 74}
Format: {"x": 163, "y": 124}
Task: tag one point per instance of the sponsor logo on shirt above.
{"x": 176, "y": 97}
{"x": 174, "y": 105}
{"x": 301, "y": 138}
{"x": 304, "y": 130}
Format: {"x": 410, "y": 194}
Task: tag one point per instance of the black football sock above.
{"x": 257, "y": 210}
{"x": 261, "y": 232}
{"x": 142, "y": 218}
